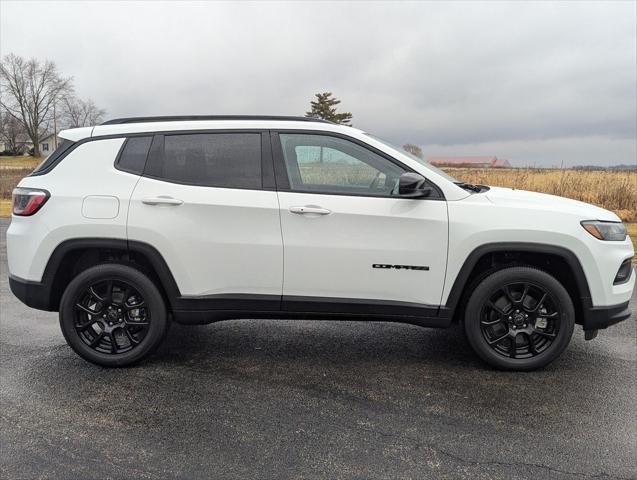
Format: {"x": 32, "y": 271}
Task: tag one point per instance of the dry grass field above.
{"x": 613, "y": 190}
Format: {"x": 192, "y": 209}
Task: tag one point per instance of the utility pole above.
{"x": 55, "y": 126}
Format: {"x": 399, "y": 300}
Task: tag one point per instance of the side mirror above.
{"x": 413, "y": 185}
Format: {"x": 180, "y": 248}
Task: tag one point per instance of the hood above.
{"x": 524, "y": 199}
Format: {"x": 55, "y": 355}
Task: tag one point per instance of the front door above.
{"x": 349, "y": 240}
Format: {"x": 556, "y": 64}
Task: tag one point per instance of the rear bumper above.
{"x": 33, "y": 294}
{"x": 601, "y": 317}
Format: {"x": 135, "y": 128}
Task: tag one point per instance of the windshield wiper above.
{"x": 469, "y": 186}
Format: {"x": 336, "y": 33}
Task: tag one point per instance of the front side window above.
{"x": 230, "y": 160}
{"x": 321, "y": 163}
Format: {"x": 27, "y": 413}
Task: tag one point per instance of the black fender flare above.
{"x": 472, "y": 259}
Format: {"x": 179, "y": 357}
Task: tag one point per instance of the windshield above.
{"x": 424, "y": 163}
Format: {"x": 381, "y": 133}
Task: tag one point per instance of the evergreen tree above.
{"x": 325, "y": 108}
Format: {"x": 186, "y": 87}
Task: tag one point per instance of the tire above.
{"x": 113, "y": 315}
{"x": 519, "y": 318}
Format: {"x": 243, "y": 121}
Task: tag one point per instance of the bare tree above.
{"x": 81, "y": 113}
{"x": 28, "y": 92}
{"x": 413, "y": 149}
{"x": 12, "y": 133}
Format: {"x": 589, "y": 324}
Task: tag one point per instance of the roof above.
{"x": 183, "y": 118}
{"x": 174, "y": 124}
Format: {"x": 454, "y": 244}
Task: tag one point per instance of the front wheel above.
{"x": 519, "y": 318}
{"x": 113, "y": 315}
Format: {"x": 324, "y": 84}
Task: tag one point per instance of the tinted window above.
{"x": 328, "y": 164}
{"x": 211, "y": 159}
{"x": 133, "y": 157}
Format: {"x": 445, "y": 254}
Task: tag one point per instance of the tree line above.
{"x": 36, "y": 101}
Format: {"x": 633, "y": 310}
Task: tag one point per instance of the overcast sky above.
{"x": 536, "y": 83}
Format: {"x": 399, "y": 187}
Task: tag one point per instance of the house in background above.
{"x": 23, "y": 144}
{"x": 48, "y": 144}
{"x": 470, "y": 162}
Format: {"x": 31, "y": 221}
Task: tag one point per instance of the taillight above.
{"x": 27, "y": 201}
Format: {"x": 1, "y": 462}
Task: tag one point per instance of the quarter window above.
{"x": 231, "y": 160}
{"x": 133, "y": 157}
{"x": 321, "y": 163}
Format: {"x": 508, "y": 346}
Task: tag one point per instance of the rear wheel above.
{"x": 519, "y": 318}
{"x": 113, "y": 315}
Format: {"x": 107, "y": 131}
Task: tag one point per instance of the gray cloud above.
{"x": 538, "y": 83}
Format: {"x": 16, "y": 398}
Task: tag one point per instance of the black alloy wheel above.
{"x": 519, "y": 318}
{"x": 113, "y": 315}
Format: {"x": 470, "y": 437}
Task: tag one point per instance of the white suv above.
{"x": 136, "y": 222}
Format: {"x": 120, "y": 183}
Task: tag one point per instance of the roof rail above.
{"x": 177, "y": 118}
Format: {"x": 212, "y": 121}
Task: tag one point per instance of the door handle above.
{"x": 310, "y": 209}
{"x": 162, "y": 200}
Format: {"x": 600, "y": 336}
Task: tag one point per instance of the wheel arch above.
{"x": 76, "y": 255}
{"x": 558, "y": 261}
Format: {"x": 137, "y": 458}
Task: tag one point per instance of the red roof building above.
{"x": 473, "y": 162}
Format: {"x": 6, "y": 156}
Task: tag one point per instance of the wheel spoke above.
{"x": 507, "y": 292}
{"x": 95, "y": 295}
{"x": 539, "y": 303}
{"x": 130, "y": 336}
{"x": 79, "y": 306}
{"x": 498, "y": 340}
{"x": 545, "y": 334}
{"x": 113, "y": 342}
{"x": 98, "y": 338}
{"x": 513, "y": 346}
{"x": 135, "y": 324}
{"x": 525, "y": 292}
{"x": 82, "y": 327}
{"x": 493, "y": 306}
{"x": 490, "y": 322}
{"x": 531, "y": 344}
{"x": 109, "y": 291}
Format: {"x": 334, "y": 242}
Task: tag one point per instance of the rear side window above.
{"x": 133, "y": 156}
{"x": 230, "y": 160}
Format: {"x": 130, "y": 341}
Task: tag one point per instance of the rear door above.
{"x": 351, "y": 244}
{"x": 207, "y": 203}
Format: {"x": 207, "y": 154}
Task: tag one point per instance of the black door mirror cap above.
{"x": 413, "y": 185}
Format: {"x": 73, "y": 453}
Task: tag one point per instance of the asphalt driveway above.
{"x": 296, "y": 399}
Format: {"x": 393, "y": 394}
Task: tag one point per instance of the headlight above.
{"x": 614, "y": 231}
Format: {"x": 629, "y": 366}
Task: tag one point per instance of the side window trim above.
{"x": 283, "y": 182}
{"x": 157, "y": 152}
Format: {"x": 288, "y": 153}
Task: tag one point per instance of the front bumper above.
{"x": 596, "y": 318}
